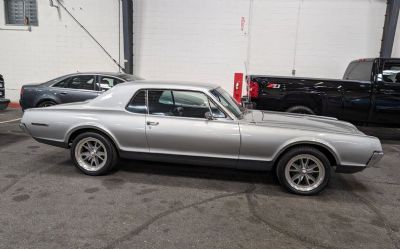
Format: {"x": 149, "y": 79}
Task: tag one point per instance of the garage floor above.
{"x": 47, "y": 203}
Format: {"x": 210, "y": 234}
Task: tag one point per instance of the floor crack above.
{"x": 307, "y": 240}
{"x": 149, "y": 222}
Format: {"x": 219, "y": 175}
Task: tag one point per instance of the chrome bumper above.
{"x": 375, "y": 158}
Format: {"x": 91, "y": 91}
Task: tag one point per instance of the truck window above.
{"x": 359, "y": 70}
{"x": 391, "y": 72}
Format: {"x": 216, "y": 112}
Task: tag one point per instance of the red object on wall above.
{"x": 237, "y": 86}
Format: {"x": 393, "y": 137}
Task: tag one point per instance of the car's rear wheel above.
{"x": 301, "y": 109}
{"x": 93, "y": 153}
{"x": 46, "y": 103}
{"x": 304, "y": 170}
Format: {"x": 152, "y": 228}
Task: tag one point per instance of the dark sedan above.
{"x": 70, "y": 88}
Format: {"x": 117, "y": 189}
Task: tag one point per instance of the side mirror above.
{"x": 208, "y": 116}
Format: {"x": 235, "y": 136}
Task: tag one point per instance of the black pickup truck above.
{"x": 3, "y": 101}
{"x": 368, "y": 94}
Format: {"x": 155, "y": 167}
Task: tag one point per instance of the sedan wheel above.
{"x": 304, "y": 170}
{"x": 47, "y": 104}
{"x": 93, "y": 153}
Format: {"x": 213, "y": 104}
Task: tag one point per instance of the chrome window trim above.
{"x": 228, "y": 115}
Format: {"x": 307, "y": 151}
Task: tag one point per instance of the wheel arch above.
{"x": 82, "y": 129}
{"x": 325, "y": 149}
{"x": 45, "y": 99}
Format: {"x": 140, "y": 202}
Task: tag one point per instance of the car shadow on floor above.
{"x": 204, "y": 178}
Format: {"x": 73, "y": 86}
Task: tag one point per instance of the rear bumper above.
{"x": 4, "y": 103}
{"x": 375, "y": 158}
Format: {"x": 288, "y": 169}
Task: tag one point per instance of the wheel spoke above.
{"x": 295, "y": 177}
{"x": 310, "y": 177}
{"x": 296, "y": 166}
{"x": 96, "y": 161}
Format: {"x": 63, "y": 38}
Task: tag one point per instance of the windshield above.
{"x": 227, "y": 101}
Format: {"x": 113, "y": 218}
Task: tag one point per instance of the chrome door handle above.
{"x": 63, "y": 93}
{"x": 152, "y": 123}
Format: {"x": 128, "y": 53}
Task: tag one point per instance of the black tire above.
{"x": 111, "y": 155}
{"x": 284, "y": 166}
{"x": 301, "y": 109}
{"x": 46, "y": 103}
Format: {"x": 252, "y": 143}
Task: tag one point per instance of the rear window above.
{"x": 129, "y": 77}
{"x": 359, "y": 70}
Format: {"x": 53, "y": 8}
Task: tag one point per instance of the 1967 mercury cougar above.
{"x": 201, "y": 124}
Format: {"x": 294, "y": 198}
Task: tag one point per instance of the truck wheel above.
{"x": 93, "y": 153}
{"x": 46, "y": 103}
{"x": 304, "y": 170}
{"x": 300, "y": 109}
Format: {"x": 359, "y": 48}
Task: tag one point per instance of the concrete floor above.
{"x": 47, "y": 203}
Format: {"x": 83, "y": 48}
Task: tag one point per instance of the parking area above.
{"x": 47, "y": 203}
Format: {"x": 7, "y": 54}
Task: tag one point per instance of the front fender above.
{"x": 307, "y": 141}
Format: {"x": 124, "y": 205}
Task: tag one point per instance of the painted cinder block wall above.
{"x": 204, "y": 40}
{"x": 58, "y": 45}
{"x": 198, "y": 40}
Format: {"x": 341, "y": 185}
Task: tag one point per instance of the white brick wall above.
{"x": 202, "y": 40}
{"x": 58, "y": 45}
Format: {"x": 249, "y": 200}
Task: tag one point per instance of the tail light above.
{"x": 253, "y": 90}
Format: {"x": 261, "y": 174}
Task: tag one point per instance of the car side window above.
{"x": 177, "y": 103}
{"x": 63, "y": 83}
{"x": 106, "y": 82}
{"x": 391, "y": 72}
{"x": 84, "y": 82}
{"x": 138, "y": 103}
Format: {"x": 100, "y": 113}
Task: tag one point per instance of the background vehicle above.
{"x": 70, "y": 88}
{"x": 3, "y": 101}
{"x": 368, "y": 94}
{"x": 156, "y": 121}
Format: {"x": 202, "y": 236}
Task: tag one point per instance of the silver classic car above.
{"x": 201, "y": 124}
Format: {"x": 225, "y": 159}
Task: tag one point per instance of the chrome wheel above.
{"x": 91, "y": 154}
{"x": 304, "y": 172}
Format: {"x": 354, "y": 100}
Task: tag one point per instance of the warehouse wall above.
{"x": 58, "y": 45}
{"x": 396, "y": 44}
{"x": 203, "y": 40}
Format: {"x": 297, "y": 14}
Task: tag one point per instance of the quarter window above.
{"x": 138, "y": 103}
{"x": 21, "y": 12}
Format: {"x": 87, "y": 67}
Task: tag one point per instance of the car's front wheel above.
{"x": 93, "y": 153}
{"x": 304, "y": 170}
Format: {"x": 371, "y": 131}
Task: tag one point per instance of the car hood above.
{"x": 300, "y": 121}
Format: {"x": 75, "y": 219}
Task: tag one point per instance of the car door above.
{"x": 386, "y": 109}
{"x": 77, "y": 88}
{"x": 176, "y": 125}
